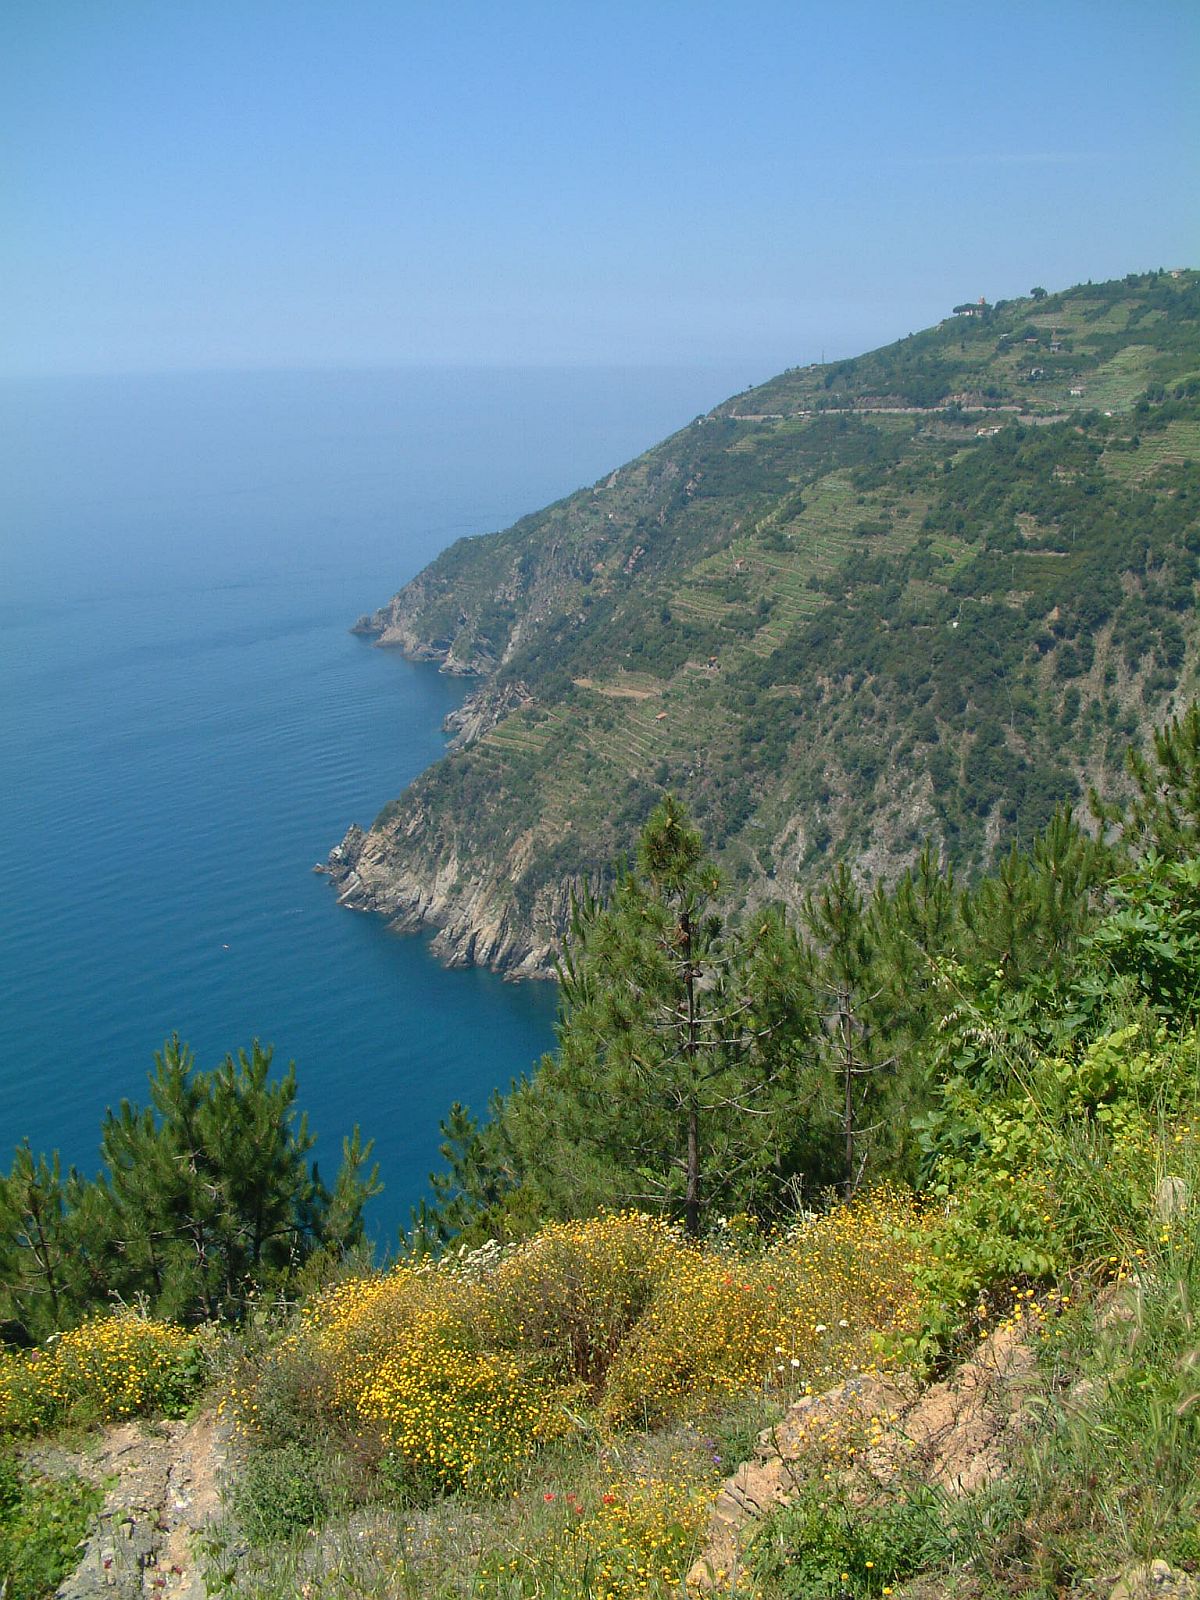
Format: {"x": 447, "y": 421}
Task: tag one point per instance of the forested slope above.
{"x": 927, "y": 592}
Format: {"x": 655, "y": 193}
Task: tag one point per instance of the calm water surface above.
{"x": 186, "y": 726}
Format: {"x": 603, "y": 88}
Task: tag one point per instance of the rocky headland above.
{"x": 920, "y": 596}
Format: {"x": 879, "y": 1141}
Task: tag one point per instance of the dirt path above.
{"x": 161, "y": 1486}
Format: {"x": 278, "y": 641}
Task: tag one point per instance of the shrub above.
{"x": 405, "y": 1358}
{"x": 459, "y": 1418}
{"x": 1052, "y": 1169}
{"x": 280, "y": 1492}
{"x": 824, "y": 1546}
{"x": 282, "y": 1395}
{"x": 805, "y": 1310}
{"x": 108, "y": 1368}
{"x": 575, "y": 1290}
{"x": 455, "y": 1375}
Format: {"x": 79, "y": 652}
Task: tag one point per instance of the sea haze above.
{"x": 186, "y": 726}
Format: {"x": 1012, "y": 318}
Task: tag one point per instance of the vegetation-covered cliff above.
{"x": 927, "y": 592}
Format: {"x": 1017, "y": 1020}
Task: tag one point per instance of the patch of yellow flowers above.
{"x": 462, "y": 1375}
{"x": 575, "y": 1291}
{"x": 805, "y": 1311}
{"x": 106, "y": 1369}
{"x": 404, "y": 1356}
{"x": 630, "y": 1542}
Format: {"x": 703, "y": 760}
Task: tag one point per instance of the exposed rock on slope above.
{"x": 475, "y": 921}
{"x": 162, "y": 1490}
{"x": 956, "y": 1436}
{"x": 482, "y": 711}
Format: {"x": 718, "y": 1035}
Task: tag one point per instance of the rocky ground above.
{"x": 956, "y": 1435}
{"x": 162, "y": 1488}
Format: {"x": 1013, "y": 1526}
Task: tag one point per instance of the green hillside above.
{"x": 929, "y": 591}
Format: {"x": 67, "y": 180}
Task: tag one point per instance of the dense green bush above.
{"x": 281, "y": 1491}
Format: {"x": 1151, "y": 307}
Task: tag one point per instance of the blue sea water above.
{"x": 186, "y": 726}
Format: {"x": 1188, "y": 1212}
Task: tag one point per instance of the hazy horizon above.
{"x": 215, "y": 187}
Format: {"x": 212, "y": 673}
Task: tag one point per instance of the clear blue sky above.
{"x": 276, "y": 183}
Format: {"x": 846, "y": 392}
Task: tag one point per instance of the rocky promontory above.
{"x": 394, "y": 627}
{"x": 473, "y": 920}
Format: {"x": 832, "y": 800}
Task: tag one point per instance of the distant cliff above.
{"x": 478, "y": 922}
{"x": 922, "y": 593}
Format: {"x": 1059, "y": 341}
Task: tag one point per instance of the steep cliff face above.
{"x": 396, "y": 626}
{"x": 840, "y": 614}
{"x": 484, "y": 710}
{"x": 475, "y": 920}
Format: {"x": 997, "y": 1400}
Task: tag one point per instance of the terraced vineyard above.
{"x": 1117, "y": 384}
{"x": 1175, "y": 446}
{"x": 783, "y": 562}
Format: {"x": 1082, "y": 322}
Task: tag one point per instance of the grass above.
{"x": 622, "y": 1522}
{"x": 1119, "y": 383}
{"x": 42, "y": 1521}
{"x": 818, "y": 542}
{"x": 1114, "y": 1469}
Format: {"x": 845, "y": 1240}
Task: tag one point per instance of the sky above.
{"x": 228, "y": 184}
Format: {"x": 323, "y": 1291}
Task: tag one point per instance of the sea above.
{"x": 187, "y": 726}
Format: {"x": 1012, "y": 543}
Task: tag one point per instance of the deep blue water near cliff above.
{"x": 186, "y": 726}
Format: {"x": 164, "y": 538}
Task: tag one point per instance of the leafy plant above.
{"x": 107, "y": 1369}
{"x": 281, "y": 1491}
{"x": 826, "y": 1546}
{"x": 42, "y": 1521}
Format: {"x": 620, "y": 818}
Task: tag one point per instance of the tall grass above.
{"x": 1116, "y": 1460}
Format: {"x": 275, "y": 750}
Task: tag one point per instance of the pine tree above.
{"x": 35, "y": 1245}
{"x": 206, "y": 1198}
{"x": 915, "y": 927}
{"x": 1027, "y": 917}
{"x": 678, "y": 1041}
{"x": 846, "y": 980}
{"x": 211, "y": 1192}
{"x": 1163, "y": 814}
{"x": 473, "y": 1185}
